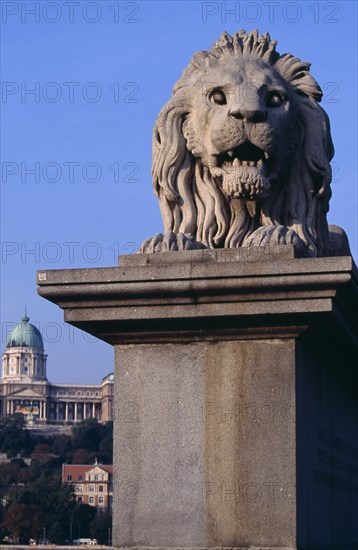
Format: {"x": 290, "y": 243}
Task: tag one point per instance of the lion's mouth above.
{"x": 246, "y": 154}
{"x": 244, "y": 172}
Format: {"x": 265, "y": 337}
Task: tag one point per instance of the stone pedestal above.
{"x": 236, "y": 414}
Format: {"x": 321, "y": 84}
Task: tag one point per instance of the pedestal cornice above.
{"x": 215, "y": 291}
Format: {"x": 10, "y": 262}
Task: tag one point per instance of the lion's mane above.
{"x": 191, "y": 201}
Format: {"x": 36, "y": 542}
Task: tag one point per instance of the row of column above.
{"x": 12, "y": 407}
{"x": 86, "y": 408}
{"x": 80, "y": 410}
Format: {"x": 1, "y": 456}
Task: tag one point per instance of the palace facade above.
{"x": 24, "y": 386}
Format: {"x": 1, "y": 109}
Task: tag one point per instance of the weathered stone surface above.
{"x": 199, "y": 464}
{"x": 241, "y": 153}
{"x": 237, "y": 397}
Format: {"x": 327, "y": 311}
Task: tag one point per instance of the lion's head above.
{"x": 243, "y": 144}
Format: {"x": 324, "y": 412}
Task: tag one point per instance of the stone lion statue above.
{"x": 241, "y": 153}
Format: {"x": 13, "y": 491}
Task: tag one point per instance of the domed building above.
{"x": 24, "y": 355}
{"x": 24, "y": 386}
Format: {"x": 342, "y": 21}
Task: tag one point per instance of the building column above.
{"x": 40, "y": 410}
{"x": 66, "y": 411}
{"x": 44, "y": 410}
{"x": 57, "y": 413}
{"x": 93, "y": 410}
{"x": 75, "y": 412}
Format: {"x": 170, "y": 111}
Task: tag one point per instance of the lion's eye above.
{"x": 218, "y": 97}
{"x": 274, "y": 99}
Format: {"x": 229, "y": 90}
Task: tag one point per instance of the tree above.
{"x": 106, "y": 449}
{"x": 83, "y": 515}
{"x": 23, "y": 522}
{"x": 34, "y": 495}
{"x": 42, "y": 452}
{"x": 88, "y": 434}
{"x": 62, "y": 445}
{"x": 101, "y": 526}
{"x": 14, "y": 438}
{"x": 9, "y": 473}
{"x": 81, "y": 456}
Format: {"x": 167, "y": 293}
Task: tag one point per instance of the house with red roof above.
{"x": 92, "y": 484}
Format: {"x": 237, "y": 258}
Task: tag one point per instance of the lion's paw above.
{"x": 170, "y": 242}
{"x": 276, "y": 234}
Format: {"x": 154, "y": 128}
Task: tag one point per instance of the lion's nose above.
{"x": 257, "y": 115}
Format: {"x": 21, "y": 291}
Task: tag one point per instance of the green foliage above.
{"x": 101, "y": 527}
{"x": 34, "y": 495}
{"x": 62, "y": 445}
{"x": 83, "y": 515}
{"x": 23, "y": 522}
{"x": 14, "y": 438}
{"x": 89, "y": 434}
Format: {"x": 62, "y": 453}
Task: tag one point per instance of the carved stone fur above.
{"x": 241, "y": 153}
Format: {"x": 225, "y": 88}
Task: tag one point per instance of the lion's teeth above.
{"x": 230, "y": 153}
{"x": 236, "y": 162}
{"x": 266, "y": 155}
{"x": 245, "y": 162}
{"x": 252, "y": 163}
{"x": 260, "y": 163}
{"x": 217, "y": 172}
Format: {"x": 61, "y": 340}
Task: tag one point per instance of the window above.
{"x": 100, "y": 488}
{"x": 96, "y": 478}
{"x": 90, "y": 476}
{"x": 100, "y": 500}
{"x": 69, "y": 477}
{"x": 78, "y": 488}
{"x": 91, "y": 488}
{"x": 79, "y": 478}
{"x": 91, "y": 500}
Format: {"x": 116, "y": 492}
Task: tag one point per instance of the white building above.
{"x": 24, "y": 386}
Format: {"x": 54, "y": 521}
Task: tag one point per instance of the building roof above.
{"x": 26, "y": 393}
{"x": 25, "y": 335}
{"x": 76, "y": 470}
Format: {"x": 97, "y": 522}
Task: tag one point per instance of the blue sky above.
{"x": 83, "y": 82}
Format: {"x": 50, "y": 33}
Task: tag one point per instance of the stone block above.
{"x": 236, "y": 408}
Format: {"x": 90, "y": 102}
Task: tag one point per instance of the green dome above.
{"x": 109, "y": 377}
{"x": 25, "y": 335}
